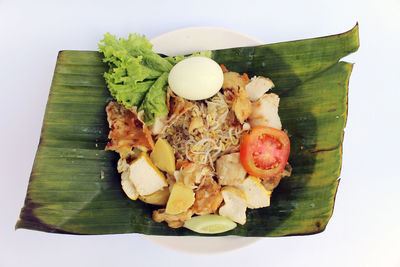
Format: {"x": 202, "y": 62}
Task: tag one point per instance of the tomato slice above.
{"x": 264, "y": 151}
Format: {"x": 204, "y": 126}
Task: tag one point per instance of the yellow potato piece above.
{"x": 163, "y": 156}
{"x": 159, "y": 197}
{"x": 180, "y": 200}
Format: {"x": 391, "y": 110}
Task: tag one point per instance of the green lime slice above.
{"x": 210, "y": 224}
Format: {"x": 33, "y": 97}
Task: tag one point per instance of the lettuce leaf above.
{"x": 133, "y": 67}
{"x": 137, "y": 76}
{"x": 136, "y": 46}
{"x": 154, "y": 105}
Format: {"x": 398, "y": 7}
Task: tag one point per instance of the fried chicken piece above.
{"x": 208, "y": 197}
{"x": 265, "y": 112}
{"x": 257, "y": 87}
{"x": 234, "y": 81}
{"x": 192, "y": 174}
{"x": 126, "y": 130}
{"x": 241, "y": 106}
{"x": 174, "y": 221}
{"x": 229, "y": 169}
{"x": 234, "y": 87}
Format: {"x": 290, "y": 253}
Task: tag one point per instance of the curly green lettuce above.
{"x": 137, "y": 76}
{"x": 154, "y": 103}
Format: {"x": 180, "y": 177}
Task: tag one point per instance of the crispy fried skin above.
{"x": 208, "y": 197}
{"x": 174, "y": 221}
{"x": 126, "y": 130}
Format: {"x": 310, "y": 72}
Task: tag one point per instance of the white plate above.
{"x": 186, "y": 41}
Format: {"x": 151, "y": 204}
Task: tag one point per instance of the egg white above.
{"x": 196, "y": 78}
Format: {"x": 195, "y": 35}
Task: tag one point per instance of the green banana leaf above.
{"x": 74, "y": 186}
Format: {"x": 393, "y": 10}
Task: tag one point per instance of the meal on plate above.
{"x": 202, "y": 142}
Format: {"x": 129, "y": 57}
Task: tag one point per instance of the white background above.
{"x": 365, "y": 227}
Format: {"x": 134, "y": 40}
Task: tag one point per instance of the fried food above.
{"x": 229, "y": 170}
{"x": 208, "y": 197}
{"x": 126, "y": 130}
{"x": 173, "y": 221}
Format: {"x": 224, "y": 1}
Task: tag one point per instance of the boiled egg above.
{"x": 196, "y": 78}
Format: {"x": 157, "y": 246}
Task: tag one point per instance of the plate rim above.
{"x": 205, "y": 28}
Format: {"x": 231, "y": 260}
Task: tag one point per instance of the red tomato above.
{"x": 264, "y": 151}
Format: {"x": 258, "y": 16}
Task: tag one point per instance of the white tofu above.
{"x": 257, "y": 195}
{"x": 128, "y": 186}
{"x": 146, "y": 178}
{"x": 265, "y": 112}
{"x": 229, "y": 169}
{"x": 257, "y": 87}
{"x": 235, "y": 204}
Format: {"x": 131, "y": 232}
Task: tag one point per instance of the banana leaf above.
{"x": 74, "y": 186}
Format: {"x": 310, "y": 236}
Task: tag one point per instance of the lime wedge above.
{"x": 210, "y": 224}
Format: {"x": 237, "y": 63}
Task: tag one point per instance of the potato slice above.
{"x": 180, "y": 200}
{"x": 159, "y": 197}
{"x": 163, "y": 156}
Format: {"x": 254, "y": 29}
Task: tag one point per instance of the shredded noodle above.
{"x": 219, "y": 134}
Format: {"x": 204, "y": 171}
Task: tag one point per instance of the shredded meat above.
{"x": 174, "y": 221}
{"x": 208, "y": 197}
{"x": 126, "y": 130}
